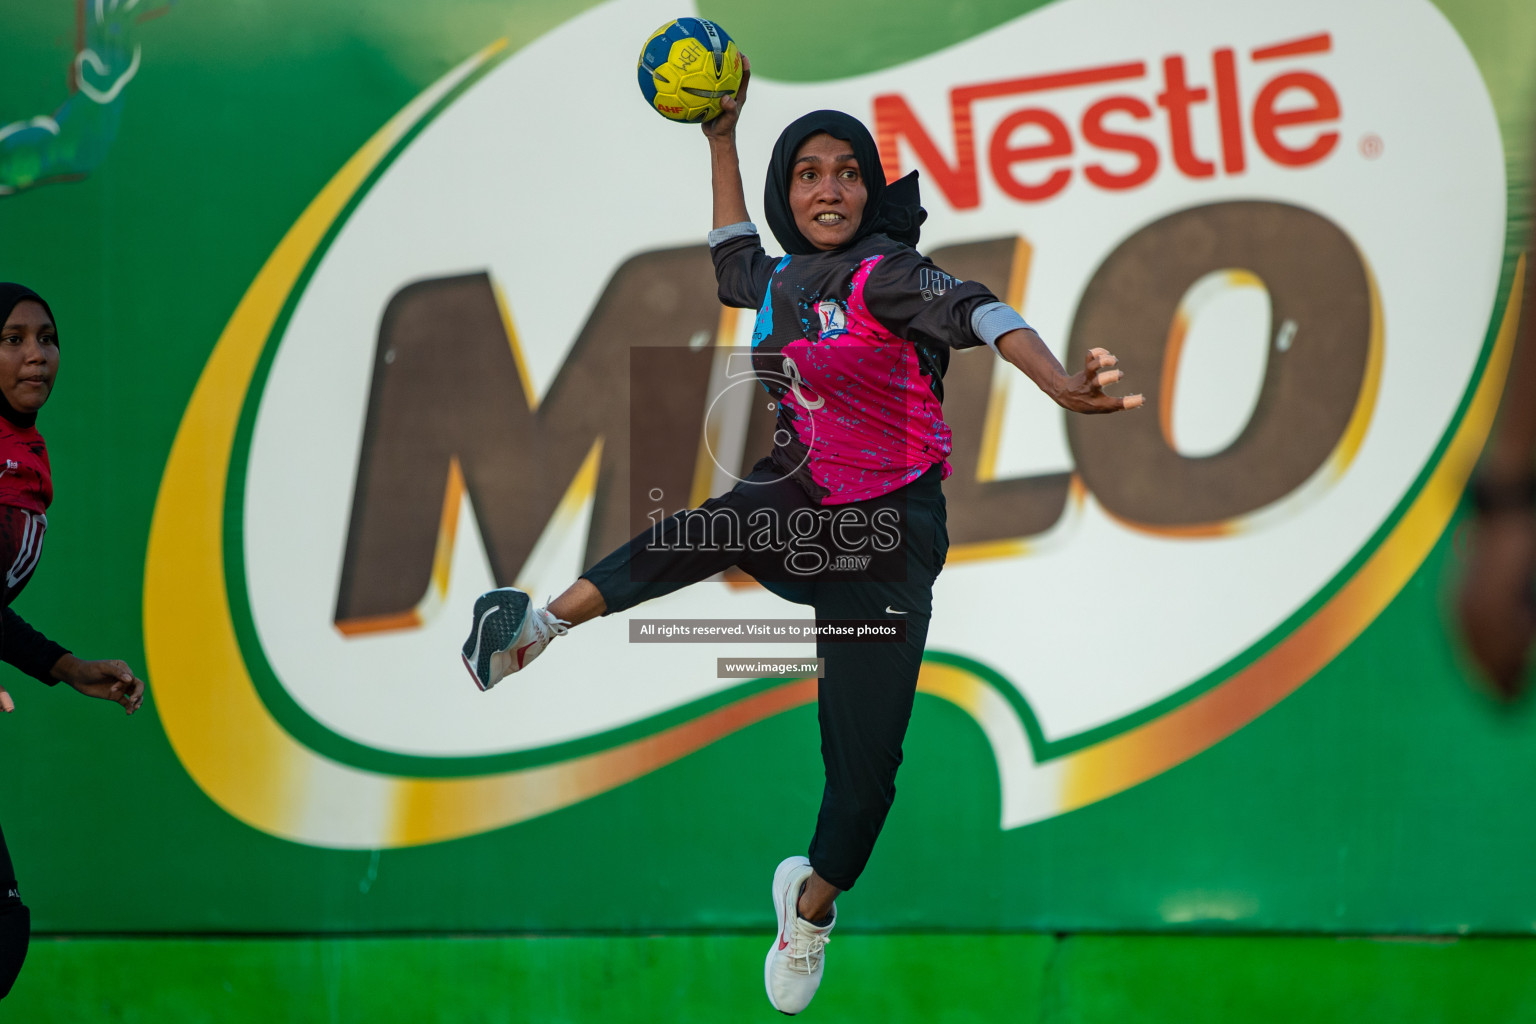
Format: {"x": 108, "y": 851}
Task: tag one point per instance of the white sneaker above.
{"x": 792, "y": 971}
{"x": 506, "y": 634}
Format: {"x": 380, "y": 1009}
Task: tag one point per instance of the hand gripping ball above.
{"x": 686, "y": 66}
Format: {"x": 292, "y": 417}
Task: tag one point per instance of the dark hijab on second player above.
{"x": 26, "y": 377}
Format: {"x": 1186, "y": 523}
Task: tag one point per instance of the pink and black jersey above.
{"x": 852, "y": 345}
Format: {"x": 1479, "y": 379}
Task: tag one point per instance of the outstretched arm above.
{"x": 109, "y": 680}
{"x": 1079, "y": 392}
{"x": 41, "y": 658}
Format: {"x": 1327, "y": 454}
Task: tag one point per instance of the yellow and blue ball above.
{"x": 686, "y": 67}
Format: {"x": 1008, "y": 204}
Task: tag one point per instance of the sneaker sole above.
{"x": 498, "y": 620}
{"x": 781, "y": 911}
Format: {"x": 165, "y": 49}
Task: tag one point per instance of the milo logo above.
{"x": 1218, "y": 198}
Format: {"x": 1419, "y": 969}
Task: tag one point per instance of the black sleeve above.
{"x": 915, "y": 300}
{"x": 26, "y": 648}
{"x": 743, "y": 271}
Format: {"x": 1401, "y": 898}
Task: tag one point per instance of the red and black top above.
{"x": 26, "y": 491}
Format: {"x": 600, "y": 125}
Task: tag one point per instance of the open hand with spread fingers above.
{"x": 1085, "y": 392}
{"x": 1079, "y": 392}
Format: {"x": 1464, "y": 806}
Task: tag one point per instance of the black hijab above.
{"x": 892, "y": 209}
{"x": 12, "y": 295}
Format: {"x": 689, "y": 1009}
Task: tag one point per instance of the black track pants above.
{"x": 15, "y": 923}
{"x": 865, "y": 695}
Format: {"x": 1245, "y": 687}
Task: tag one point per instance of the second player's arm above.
{"x": 42, "y": 659}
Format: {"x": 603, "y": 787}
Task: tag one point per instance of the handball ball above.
{"x": 686, "y": 67}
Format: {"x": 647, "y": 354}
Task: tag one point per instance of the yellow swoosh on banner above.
{"x": 255, "y": 770}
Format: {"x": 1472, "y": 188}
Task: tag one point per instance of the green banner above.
{"x": 359, "y": 318}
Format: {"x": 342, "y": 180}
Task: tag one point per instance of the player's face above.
{"x": 826, "y": 191}
{"x": 29, "y": 356}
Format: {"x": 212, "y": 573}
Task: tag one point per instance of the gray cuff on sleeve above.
{"x": 731, "y": 231}
{"x": 993, "y": 320}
